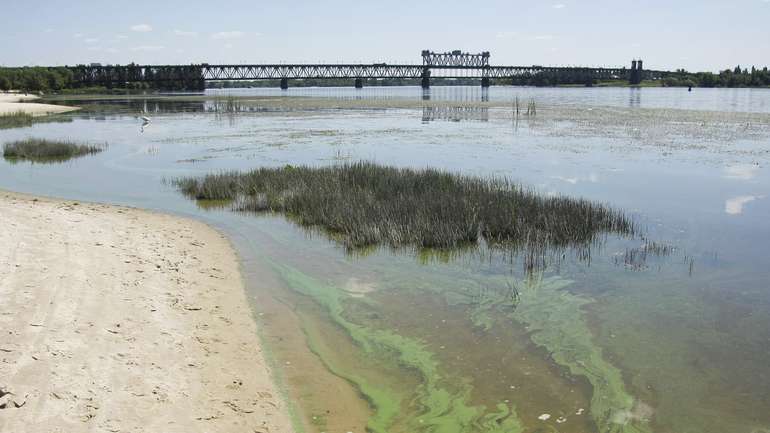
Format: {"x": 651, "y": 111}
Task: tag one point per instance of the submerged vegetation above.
{"x": 447, "y": 401}
{"x": 42, "y": 150}
{"x": 364, "y": 204}
{"x": 438, "y": 405}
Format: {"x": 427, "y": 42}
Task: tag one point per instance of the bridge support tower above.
{"x": 425, "y": 78}
{"x": 485, "y": 82}
{"x": 359, "y": 83}
{"x": 284, "y": 83}
{"x": 637, "y": 74}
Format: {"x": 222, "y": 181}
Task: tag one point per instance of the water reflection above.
{"x": 734, "y": 206}
{"x": 635, "y": 98}
{"x": 454, "y": 113}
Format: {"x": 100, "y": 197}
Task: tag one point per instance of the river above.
{"x": 412, "y": 341}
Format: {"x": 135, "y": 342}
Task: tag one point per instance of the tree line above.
{"x": 737, "y": 77}
{"x": 36, "y": 79}
{"x": 61, "y": 79}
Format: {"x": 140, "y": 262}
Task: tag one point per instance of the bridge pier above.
{"x": 425, "y": 82}
{"x": 284, "y": 83}
{"x": 485, "y": 83}
{"x": 637, "y": 75}
{"x": 359, "y": 83}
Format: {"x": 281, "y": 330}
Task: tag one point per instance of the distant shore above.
{"x": 118, "y": 319}
{"x": 19, "y": 102}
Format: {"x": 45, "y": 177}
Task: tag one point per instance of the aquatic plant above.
{"x": 531, "y": 108}
{"x": 15, "y": 120}
{"x": 364, "y": 204}
{"x": 227, "y": 104}
{"x": 42, "y": 150}
{"x": 21, "y": 119}
{"x": 637, "y": 258}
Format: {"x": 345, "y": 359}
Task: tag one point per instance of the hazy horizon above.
{"x": 697, "y": 36}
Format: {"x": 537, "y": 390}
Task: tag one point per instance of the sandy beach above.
{"x": 120, "y": 320}
{"x": 15, "y": 102}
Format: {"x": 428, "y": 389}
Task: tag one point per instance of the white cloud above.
{"x": 112, "y": 50}
{"x": 121, "y": 37}
{"x": 148, "y": 48}
{"x": 559, "y": 6}
{"x": 48, "y": 30}
{"x": 91, "y": 40}
{"x": 542, "y": 38}
{"x": 77, "y": 35}
{"x": 142, "y": 28}
{"x": 184, "y": 33}
{"x": 234, "y": 34}
{"x": 228, "y": 46}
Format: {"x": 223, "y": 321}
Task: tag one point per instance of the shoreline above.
{"x": 15, "y": 102}
{"x": 120, "y": 319}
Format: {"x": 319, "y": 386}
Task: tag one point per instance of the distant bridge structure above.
{"x": 454, "y": 64}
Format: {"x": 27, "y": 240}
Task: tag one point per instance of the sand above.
{"x": 120, "y": 320}
{"x": 15, "y": 102}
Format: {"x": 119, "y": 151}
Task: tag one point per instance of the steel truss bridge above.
{"x": 453, "y": 64}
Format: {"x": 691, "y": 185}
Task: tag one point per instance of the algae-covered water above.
{"x": 467, "y": 341}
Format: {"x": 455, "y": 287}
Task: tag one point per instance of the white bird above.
{"x": 146, "y": 119}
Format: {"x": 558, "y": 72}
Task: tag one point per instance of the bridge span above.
{"x": 453, "y": 64}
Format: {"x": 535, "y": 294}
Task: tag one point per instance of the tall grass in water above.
{"x": 227, "y": 104}
{"x": 364, "y": 204}
{"x": 21, "y": 119}
{"x": 41, "y": 150}
{"x": 16, "y": 120}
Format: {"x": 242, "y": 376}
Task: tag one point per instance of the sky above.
{"x": 703, "y": 35}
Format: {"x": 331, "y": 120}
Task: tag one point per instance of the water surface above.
{"x": 404, "y": 341}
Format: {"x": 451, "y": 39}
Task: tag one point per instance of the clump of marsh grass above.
{"x": 42, "y": 150}
{"x": 21, "y": 119}
{"x": 16, "y": 120}
{"x": 364, "y": 204}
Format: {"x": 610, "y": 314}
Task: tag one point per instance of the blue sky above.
{"x": 696, "y": 35}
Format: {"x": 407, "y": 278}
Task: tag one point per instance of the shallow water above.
{"x": 406, "y": 342}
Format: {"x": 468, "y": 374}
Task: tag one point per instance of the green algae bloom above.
{"x": 438, "y": 406}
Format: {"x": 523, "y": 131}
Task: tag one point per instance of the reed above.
{"x": 227, "y": 105}
{"x": 42, "y": 150}
{"x": 20, "y": 119}
{"x": 16, "y": 120}
{"x": 516, "y": 108}
{"x": 531, "y": 108}
{"x": 363, "y": 204}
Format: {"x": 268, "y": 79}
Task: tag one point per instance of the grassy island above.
{"x": 364, "y": 204}
{"x": 41, "y": 150}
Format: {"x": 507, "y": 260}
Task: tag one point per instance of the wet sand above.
{"x": 15, "y": 102}
{"x": 117, "y": 319}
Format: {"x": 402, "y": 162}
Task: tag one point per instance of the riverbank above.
{"x": 118, "y": 319}
{"x": 17, "y": 102}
